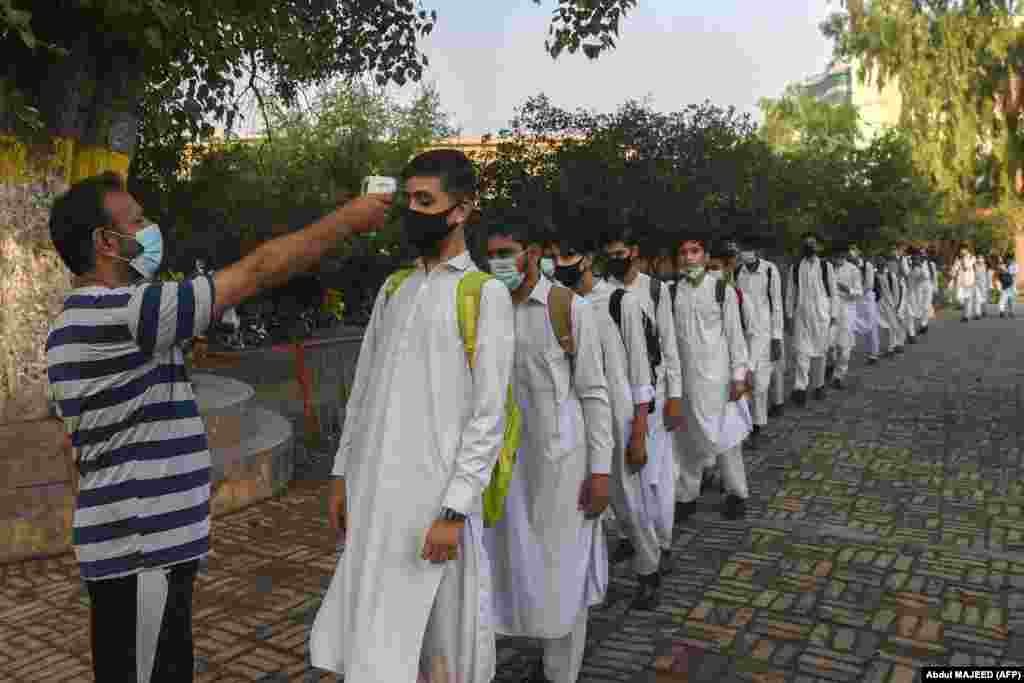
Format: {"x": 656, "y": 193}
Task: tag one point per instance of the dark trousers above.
{"x": 113, "y": 620}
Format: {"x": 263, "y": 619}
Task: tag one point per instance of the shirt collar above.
{"x": 541, "y": 290}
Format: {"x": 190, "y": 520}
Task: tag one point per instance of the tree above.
{"x": 89, "y": 69}
{"x": 959, "y": 65}
{"x": 797, "y": 119}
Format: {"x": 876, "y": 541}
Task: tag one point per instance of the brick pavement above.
{"x": 885, "y": 532}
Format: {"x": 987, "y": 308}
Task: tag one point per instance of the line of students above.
{"x": 627, "y": 391}
{"x": 973, "y": 278}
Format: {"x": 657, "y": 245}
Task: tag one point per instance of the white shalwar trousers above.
{"x": 910, "y": 323}
{"x": 563, "y": 657}
{"x": 730, "y": 463}
{"x": 804, "y": 363}
{"x": 446, "y": 656}
{"x": 759, "y": 406}
{"x": 778, "y": 383}
{"x": 659, "y": 476}
{"x": 970, "y": 299}
{"x": 842, "y": 361}
{"x": 1007, "y": 298}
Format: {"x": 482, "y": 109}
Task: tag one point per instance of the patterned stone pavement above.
{"x": 885, "y": 532}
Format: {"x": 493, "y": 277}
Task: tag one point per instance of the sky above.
{"x": 487, "y": 56}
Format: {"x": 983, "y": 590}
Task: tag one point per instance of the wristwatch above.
{"x": 449, "y": 515}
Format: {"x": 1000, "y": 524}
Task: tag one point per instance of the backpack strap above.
{"x": 395, "y": 280}
{"x": 771, "y": 303}
{"x": 824, "y": 277}
{"x": 615, "y": 307}
{"x": 467, "y": 306}
{"x": 720, "y": 292}
{"x": 560, "y": 311}
{"x": 655, "y": 285}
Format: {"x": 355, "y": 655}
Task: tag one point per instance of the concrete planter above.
{"x": 251, "y": 452}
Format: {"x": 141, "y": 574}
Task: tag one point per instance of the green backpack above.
{"x": 468, "y": 307}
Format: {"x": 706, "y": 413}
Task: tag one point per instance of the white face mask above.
{"x": 748, "y": 256}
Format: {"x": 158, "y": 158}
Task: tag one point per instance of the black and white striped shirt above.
{"x": 118, "y": 379}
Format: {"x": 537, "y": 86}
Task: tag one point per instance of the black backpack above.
{"x": 720, "y": 287}
{"x": 650, "y": 333}
{"x": 824, "y": 279}
{"x": 1006, "y": 279}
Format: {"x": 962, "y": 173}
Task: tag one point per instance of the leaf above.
{"x": 153, "y": 38}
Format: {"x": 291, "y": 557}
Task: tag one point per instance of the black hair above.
{"x": 520, "y": 225}
{"x": 810, "y": 234}
{"x": 452, "y": 167}
{"x": 76, "y": 214}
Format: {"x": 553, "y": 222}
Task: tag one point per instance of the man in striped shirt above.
{"x": 117, "y": 376}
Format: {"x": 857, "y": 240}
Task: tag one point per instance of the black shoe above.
{"x": 872, "y": 360}
{"x": 964, "y": 320}
{"x": 800, "y": 397}
{"x": 755, "y": 436}
{"x": 777, "y": 410}
{"x": 735, "y": 507}
{"x": 665, "y": 566}
{"x": 684, "y": 511}
{"x": 1001, "y": 315}
{"x": 820, "y": 394}
{"x": 837, "y": 383}
{"x": 899, "y": 349}
{"x": 923, "y": 330}
{"x": 623, "y": 551}
{"x": 829, "y": 371}
{"x": 707, "y": 480}
{"x": 911, "y": 340}
{"x": 648, "y": 594}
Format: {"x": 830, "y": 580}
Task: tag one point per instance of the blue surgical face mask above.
{"x": 547, "y": 266}
{"x": 148, "y": 261}
{"x": 506, "y": 270}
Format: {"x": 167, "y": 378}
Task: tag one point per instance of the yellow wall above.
{"x": 67, "y": 158}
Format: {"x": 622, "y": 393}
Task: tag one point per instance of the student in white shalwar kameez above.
{"x": 850, "y": 290}
{"x": 548, "y": 555}
{"x": 411, "y": 595}
{"x": 660, "y": 474}
{"x": 631, "y": 389}
{"x": 983, "y": 284}
{"x": 866, "y": 323}
{"x": 810, "y": 311}
{"x": 893, "y": 304}
{"x": 713, "y": 354}
{"x": 918, "y": 291}
{"x": 761, "y": 284}
{"x": 963, "y": 276}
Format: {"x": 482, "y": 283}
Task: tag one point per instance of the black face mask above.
{"x": 426, "y": 230}
{"x": 570, "y": 276}
{"x": 618, "y": 267}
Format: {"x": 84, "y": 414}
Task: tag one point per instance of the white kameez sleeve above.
{"x": 830, "y": 273}
{"x": 669, "y": 350}
{"x": 635, "y": 341}
{"x": 591, "y": 388}
{"x": 492, "y": 369}
{"x": 356, "y": 396}
{"x": 777, "y": 302}
{"x": 856, "y": 285}
{"x": 791, "y": 293}
{"x": 739, "y": 359}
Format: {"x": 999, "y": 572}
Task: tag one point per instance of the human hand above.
{"x": 366, "y": 213}
{"x": 736, "y": 390}
{"x": 674, "y": 418}
{"x": 337, "y": 514}
{"x": 594, "y": 496}
{"x": 636, "y": 453}
{"x": 442, "y": 542}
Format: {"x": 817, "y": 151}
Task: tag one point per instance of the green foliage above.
{"x": 797, "y": 119}
{"x": 958, "y": 65}
{"x": 238, "y": 194}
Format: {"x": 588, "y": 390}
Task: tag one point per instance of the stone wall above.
{"x": 33, "y": 283}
